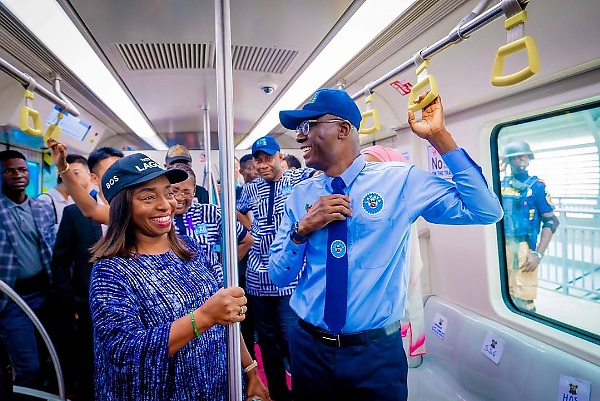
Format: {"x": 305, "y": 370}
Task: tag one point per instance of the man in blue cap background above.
{"x": 265, "y": 197}
{"x": 344, "y": 237}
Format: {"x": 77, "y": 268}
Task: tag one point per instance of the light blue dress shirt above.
{"x": 386, "y": 198}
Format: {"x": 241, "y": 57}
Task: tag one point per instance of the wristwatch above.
{"x": 539, "y": 255}
{"x": 296, "y": 236}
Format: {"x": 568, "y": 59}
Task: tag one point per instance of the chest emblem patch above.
{"x": 201, "y": 229}
{"x": 338, "y": 248}
{"x": 372, "y": 203}
{"x": 285, "y": 191}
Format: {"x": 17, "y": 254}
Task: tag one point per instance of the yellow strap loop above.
{"x": 370, "y": 112}
{"x": 425, "y": 80}
{"x": 53, "y": 131}
{"x": 26, "y": 113}
{"x": 522, "y": 43}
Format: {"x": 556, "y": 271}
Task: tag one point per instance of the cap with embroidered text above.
{"x": 133, "y": 170}
{"x": 178, "y": 153}
{"x": 266, "y": 144}
{"x": 325, "y": 101}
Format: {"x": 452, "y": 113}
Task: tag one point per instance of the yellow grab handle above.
{"x": 525, "y": 43}
{"x": 370, "y": 113}
{"x": 27, "y": 112}
{"x": 53, "y": 131}
{"x": 419, "y": 86}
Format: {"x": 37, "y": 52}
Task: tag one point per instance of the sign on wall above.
{"x": 436, "y": 164}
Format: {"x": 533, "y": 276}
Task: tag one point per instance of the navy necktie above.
{"x": 336, "y": 270}
{"x": 271, "y": 203}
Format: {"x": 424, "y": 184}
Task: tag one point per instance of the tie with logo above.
{"x": 336, "y": 270}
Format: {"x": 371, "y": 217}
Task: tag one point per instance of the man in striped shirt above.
{"x": 265, "y": 197}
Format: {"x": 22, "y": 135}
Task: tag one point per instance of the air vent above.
{"x": 187, "y": 56}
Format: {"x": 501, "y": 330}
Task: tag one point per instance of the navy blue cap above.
{"x": 133, "y": 170}
{"x": 266, "y": 144}
{"x": 325, "y": 101}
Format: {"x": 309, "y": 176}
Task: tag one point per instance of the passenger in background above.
{"x": 71, "y": 272}
{"x": 291, "y": 162}
{"x": 27, "y": 234}
{"x": 412, "y": 324}
{"x": 158, "y": 310}
{"x": 528, "y": 211}
{"x": 58, "y": 196}
{"x": 237, "y": 175}
{"x": 264, "y": 197}
{"x": 202, "y": 222}
{"x": 248, "y": 172}
{"x": 346, "y": 234}
{"x": 181, "y": 154}
{"x": 96, "y": 210}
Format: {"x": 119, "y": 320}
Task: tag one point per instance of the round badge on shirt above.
{"x": 372, "y": 203}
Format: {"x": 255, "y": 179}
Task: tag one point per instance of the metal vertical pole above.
{"x": 208, "y": 184}
{"x": 226, "y": 164}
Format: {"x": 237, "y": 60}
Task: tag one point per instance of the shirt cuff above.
{"x": 458, "y": 160}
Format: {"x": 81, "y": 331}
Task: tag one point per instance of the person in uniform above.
{"x": 528, "y": 212}
{"x": 345, "y": 235}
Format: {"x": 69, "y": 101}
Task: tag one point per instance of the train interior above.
{"x": 143, "y": 76}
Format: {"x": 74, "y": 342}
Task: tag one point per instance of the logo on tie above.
{"x": 372, "y": 203}
{"x": 338, "y": 248}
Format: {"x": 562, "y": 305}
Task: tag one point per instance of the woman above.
{"x": 412, "y": 324}
{"x": 202, "y": 222}
{"x": 159, "y": 315}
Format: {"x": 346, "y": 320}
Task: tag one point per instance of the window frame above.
{"x": 500, "y": 233}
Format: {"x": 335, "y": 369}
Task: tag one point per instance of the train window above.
{"x": 548, "y": 175}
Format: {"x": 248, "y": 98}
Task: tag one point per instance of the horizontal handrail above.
{"x": 28, "y": 82}
{"x": 456, "y": 35}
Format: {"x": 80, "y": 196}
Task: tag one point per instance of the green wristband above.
{"x": 194, "y": 324}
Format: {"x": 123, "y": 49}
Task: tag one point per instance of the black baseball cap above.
{"x": 133, "y": 170}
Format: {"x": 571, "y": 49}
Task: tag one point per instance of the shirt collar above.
{"x": 350, "y": 174}
{"x": 11, "y": 205}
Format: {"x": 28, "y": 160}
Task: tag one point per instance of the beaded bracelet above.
{"x": 65, "y": 170}
{"x": 194, "y": 324}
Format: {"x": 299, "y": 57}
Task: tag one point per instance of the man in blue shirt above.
{"x": 351, "y": 292}
{"x": 529, "y": 216}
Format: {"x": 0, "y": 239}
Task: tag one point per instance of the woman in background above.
{"x": 413, "y": 322}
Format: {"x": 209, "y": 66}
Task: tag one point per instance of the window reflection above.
{"x": 549, "y": 178}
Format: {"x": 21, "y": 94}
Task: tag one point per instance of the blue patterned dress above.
{"x": 133, "y": 302}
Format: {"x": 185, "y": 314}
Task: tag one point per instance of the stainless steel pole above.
{"x": 208, "y": 184}
{"x": 226, "y": 164}
{"x": 6, "y": 289}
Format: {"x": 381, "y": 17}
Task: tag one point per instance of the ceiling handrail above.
{"x": 458, "y": 34}
{"x": 27, "y": 81}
